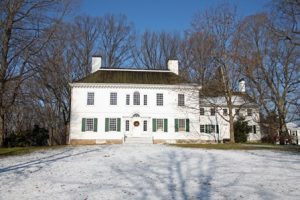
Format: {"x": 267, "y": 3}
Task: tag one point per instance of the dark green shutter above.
{"x": 95, "y": 124}
{"x": 187, "y": 125}
{"x": 118, "y": 124}
{"x": 217, "y": 128}
{"x": 176, "y": 125}
{"x": 206, "y": 128}
{"x": 83, "y": 125}
{"x": 254, "y": 129}
{"x": 154, "y": 125}
{"x": 165, "y": 125}
{"x": 106, "y": 124}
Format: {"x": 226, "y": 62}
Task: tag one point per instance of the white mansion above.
{"x": 155, "y": 106}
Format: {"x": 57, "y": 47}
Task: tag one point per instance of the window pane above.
{"x": 145, "y": 100}
{"x": 160, "y": 124}
{"x": 145, "y": 125}
{"x": 89, "y": 124}
{"x": 113, "y": 124}
{"x": 90, "y": 98}
{"x": 201, "y": 111}
{"x": 113, "y": 98}
{"x": 180, "y": 99}
{"x": 127, "y": 99}
{"x": 159, "y": 99}
{"x": 225, "y": 112}
{"x": 136, "y": 98}
{"x": 237, "y": 111}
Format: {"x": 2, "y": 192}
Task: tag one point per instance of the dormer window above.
{"x": 136, "y": 98}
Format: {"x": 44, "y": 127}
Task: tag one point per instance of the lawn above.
{"x": 150, "y": 172}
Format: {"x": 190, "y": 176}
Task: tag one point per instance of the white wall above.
{"x": 102, "y": 109}
{"x": 170, "y": 110}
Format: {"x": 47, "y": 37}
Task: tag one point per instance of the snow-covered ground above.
{"x": 150, "y": 172}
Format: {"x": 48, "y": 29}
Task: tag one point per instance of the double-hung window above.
{"x": 90, "y": 98}
{"x": 89, "y": 124}
{"x": 127, "y": 125}
{"x": 145, "y": 125}
{"x": 180, "y": 99}
{"x": 182, "y": 125}
{"x": 127, "y": 99}
{"x": 159, "y": 99}
{"x": 209, "y": 128}
{"x": 112, "y": 124}
{"x": 225, "y": 112}
{"x": 113, "y": 98}
{"x": 136, "y": 98}
{"x": 145, "y": 100}
{"x": 160, "y": 124}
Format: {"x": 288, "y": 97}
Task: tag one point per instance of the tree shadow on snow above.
{"x": 176, "y": 175}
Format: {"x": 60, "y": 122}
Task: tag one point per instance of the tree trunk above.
{"x": 231, "y": 129}
{"x": 2, "y": 129}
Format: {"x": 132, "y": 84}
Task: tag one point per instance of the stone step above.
{"x": 138, "y": 140}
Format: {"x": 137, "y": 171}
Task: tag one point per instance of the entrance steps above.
{"x": 138, "y": 140}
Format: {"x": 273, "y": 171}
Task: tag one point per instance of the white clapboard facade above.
{"x": 155, "y": 106}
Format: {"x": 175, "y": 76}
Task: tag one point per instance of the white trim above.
{"x": 134, "y": 85}
{"x": 134, "y": 70}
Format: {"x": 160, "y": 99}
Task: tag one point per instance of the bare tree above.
{"x": 271, "y": 66}
{"x": 22, "y": 27}
{"x": 155, "y": 49}
{"x": 219, "y": 23}
{"x": 286, "y": 18}
{"x": 116, "y": 40}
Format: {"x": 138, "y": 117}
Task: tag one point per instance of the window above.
{"x": 127, "y": 99}
{"x": 180, "y": 99}
{"x": 145, "y": 100}
{"x": 127, "y": 125}
{"x": 181, "y": 124}
{"x": 202, "y": 129}
{"x": 136, "y": 98}
{"x": 160, "y": 124}
{"x": 209, "y": 128}
{"x": 237, "y": 112}
{"x": 249, "y": 112}
{"x": 159, "y": 99}
{"x": 145, "y": 125}
{"x": 202, "y": 111}
{"x": 212, "y": 111}
{"x": 112, "y": 124}
{"x": 225, "y": 112}
{"x": 89, "y": 126}
{"x": 113, "y": 98}
{"x": 90, "y": 98}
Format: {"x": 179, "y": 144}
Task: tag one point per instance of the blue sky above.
{"x": 159, "y": 15}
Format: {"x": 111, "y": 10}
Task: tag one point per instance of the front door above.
{"x": 136, "y": 126}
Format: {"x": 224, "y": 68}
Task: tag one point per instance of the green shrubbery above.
{"x": 35, "y": 137}
{"x": 241, "y": 130}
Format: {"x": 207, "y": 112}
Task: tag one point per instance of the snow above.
{"x": 150, "y": 172}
